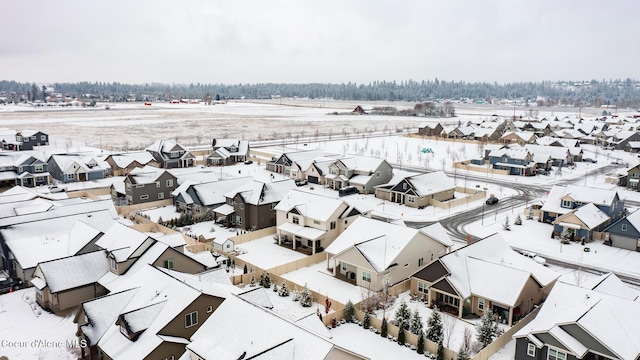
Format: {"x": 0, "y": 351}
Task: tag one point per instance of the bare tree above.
{"x": 467, "y": 340}
{"x": 443, "y": 162}
{"x": 448, "y": 326}
{"x": 199, "y": 138}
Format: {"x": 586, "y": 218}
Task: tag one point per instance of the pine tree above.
{"x": 440, "y": 354}
{"x": 305, "y": 297}
{"x": 416, "y": 322}
{"x": 402, "y": 316}
{"x": 246, "y": 271}
{"x": 284, "y": 290}
{"x": 506, "y": 224}
{"x": 349, "y": 311}
{"x": 518, "y": 220}
{"x": 486, "y": 329}
{"x": 420, "y": 348}
{"x": 252, "y": 282}
{"x": 265, "y": 280}
{"x": 366, "y": 321}
{"x": 275, "y": 287}
{"x": 462, "y": 354}
{"x": 383, "y": 328}
{"x": 401, "y": 335}
{"x": 435, "y": 331}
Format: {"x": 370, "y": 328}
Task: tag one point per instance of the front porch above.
{"x": 304, "y": 239}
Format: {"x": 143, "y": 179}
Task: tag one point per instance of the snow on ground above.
{"x": 165, "y": 212}
{"x": 264, "y": 254}
{"x": 34, "y": 333}
{"x": 508, "y": 352}
{"x": 322, "y": 281}
{"x": 367, "y": 343}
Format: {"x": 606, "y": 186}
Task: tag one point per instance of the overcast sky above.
{"x": 328, "y": 41}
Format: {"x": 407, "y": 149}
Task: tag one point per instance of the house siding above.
{"x": 176, "y": 327}
{"x": 181, "y": 262}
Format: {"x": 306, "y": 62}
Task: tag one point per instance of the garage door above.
{"x": 312, "y": 179}
{"x": 624, "y": 242}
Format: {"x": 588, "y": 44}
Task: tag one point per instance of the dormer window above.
{"x": 566, "y": 204}
{"x": 114, "y": 264}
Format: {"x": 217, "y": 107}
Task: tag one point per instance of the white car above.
{"x": 534, "y": 257}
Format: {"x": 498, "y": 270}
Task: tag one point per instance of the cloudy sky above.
{"x": 328, "y": 41}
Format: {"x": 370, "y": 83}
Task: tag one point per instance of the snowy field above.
{"x": 264, "y": 254}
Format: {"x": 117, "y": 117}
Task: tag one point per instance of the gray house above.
{"x": 25, "y": 140}
{"x": 228, "y": 151}
{"x": 253, "y": 203}
{"x": 21, "y": 169}
{"x": 169, "y": 154}
{"x": 77, "y": 167}
{"x": 365, "y": 173}
{"x": 149, "y": 184}
{"x": 625, "y": 233}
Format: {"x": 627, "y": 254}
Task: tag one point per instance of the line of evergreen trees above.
{"x": 623, "y": 93}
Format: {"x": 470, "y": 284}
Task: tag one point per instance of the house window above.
{"x": 448, "y": 299}
{"x": 238, "y": 220}
{"x": 114, "y": 264}
{"x": 168, "y": 264}
{"x": 241, "y": 206}
{"x": 333, "y": 225}
{"x": 157, "y": 184}
{"x": 624, "y": 227}
{"x": 144, "y": 197}
{"x": 480, "y": 304}
{"x": 296, "y": 220}
{"x": 420, "y": 261}
{"x": 404, "y": 186}
{"x": 273, "y": 205}
{"x": 43, "y": 137}
{"x": 209, "y": 309}
{"x": 71, "y": 176}
{"x": 344, "y": 266}
{"x": 38, "y": 168}
{"x": 635, "y": 175}
{"x": 191, "y": 319}
{"x": 366, "y": 276}
{"x": 554, "y": 354}
{"x": 33, "y": 137}
{"x": 174, "y": 154}
{"x": 377, "y": 174}
{"x": 317, "y": 222}
{"x": 566, "y": 204}
{"x": 170, "y": 183}
{"x": 230, "y": 201}
{"x": 160, "y": 195}
{"x": 411, "y": 199}
{"x": 531, "y": 350}
{"x": 422, "y": 287}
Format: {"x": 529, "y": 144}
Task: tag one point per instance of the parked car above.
{"x": 542, "y": 171}
{"x": 300, "y": 182}
{"x": 609, "y": 147}
{"x": 248, "y": 162}
{"x": 534, "y": 257}
{"x": 619, "y": 162}
{"x": 8, "y": 284}
{"x": 492, "y": 200}
{"x": 348, "y": 191}
{"x": 590, "y": 160}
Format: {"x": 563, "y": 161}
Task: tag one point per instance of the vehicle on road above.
{"x": 8, "y": 284}
{"x": 534, "y": 257}
{"x": 590, "y": 160}
{"x": 492, "y": 200}
{"x": 300, "y": 182}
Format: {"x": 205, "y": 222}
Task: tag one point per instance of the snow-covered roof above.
{"x": 74, "y": 271}
{"x": 361, "y": 163}
{"x": 125, "y": 159}
{"x": 437, "y": 232}
{"x": 78, "y": 163}
{"x": 257, "y": 192}
{"x": 431, "y": 183}
{"x": 164, "y": 146}
{"x": 610, "y": 284}
{"x": 121, "y": 241}
{"x": 597, "y": 196}
{"x": 513, "y": 153}
{"x": 556, "y": 152}
{"x": 249, "y": 330}
{"x": 310, "y": 205}
{"x": 589, "y": 215}
{"x": 469, "y": 265}
{"x": 606, "y": 318}
{"x": 102, "y": 313}
{"x": 145, "y": 175}
{"x": 195, "y": 174}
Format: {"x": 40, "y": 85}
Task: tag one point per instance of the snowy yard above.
{"x": 264, "y": 254}
{"x": 322, "y": 281}
{"x": 28, "y": 332}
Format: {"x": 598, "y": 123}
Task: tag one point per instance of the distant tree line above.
{"x": 622, "y": 93}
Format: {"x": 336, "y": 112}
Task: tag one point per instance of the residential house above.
{"x": 451, "y": 132}
{"x": 245, "y": 329}
{"x": 61, "y": 231}
{"x": 430, "y": 128}
{"x": 622, "y": 138}
{"x": 65, "y": 283}
{"x": 317, "y": 170}
{"x": 472, "y": 279}
{"x": 22, "y": 169}
{"x": 123, "y": 163}
{"x": 25, "y": 140}
{"x": 633, "y": 177}
{"x": 592, "y": 320}
{"x": 560, "y": 156}
{"x": 563, "y": 199}
{"x": 149, "y": 316}
{"x": 169, "y": 154}
{"x": 77, "y": 167}
{"x": 201, "y": 199}
{"x": 580, "y": 223}
{"x": 370, "y": 250}
{"x": 360, "y": 171}
{"x": 254, "y": 202}
{"x": 310, "y": 222}
{"x": 282, "y": 164}
{"x": 149, "y": 184}
{"x": 518, "y": 161}
{"x": 418, "y": 190}
{"x": 228, "y": 152}
{"x": 632, "y": 147}
{"x": 625, "y": 233}
{"x": 520, "y": 137}
{"x": 486, "y": 134}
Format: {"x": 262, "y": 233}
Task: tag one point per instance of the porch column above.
{"x": 279, "y": 237}
{"x": 313, "y": 247}
{"x": 510, "y": 316}
{"x": 460, "y": 306}
{"x": 429, "y": 297}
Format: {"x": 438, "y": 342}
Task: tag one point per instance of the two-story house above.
{"x": 360, "y": 171}
{"x": 418, "y": 190}
{"x": 204, "y": 198}
{"x": 518, "y": 137}
{"x": 149, "y": 184}
{"x": 430, "y": 128}
{"x": 282, "y": 164}
{"x": 254, "y": 202}
{"x": 169, "y": 154}
{"x": 25, "y": 140}
{"x": 23, "y": 170}
{"x": 122, "y": 164}
{"x": 310, "y": 222}
{"x": 633, "y": 177}
{"x": 564, "y": 199}
{"x": 625, "y": 233}
{"x": 560, "y": 156}
{"x": 77, "y": 167}
{"x": 370, "y": 250}
{"x": 518, "y": 161}
{"x": 228, "y": 152}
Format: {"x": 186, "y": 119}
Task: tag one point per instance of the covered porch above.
{"x": 299, "y": 237}
{"x": 224, "y": 215}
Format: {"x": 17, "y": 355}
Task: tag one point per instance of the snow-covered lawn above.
{"x": 367, "y": 343}
{"x": 165, "y": 212}
{"x": 28, "y": 332}
{"x": 264, "y": 254}
{"x": 322, "y": 281}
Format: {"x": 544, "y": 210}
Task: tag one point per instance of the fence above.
{"x": 476, "y": 195}
{"x": 125, "y": 210}
{"x": 253, "y": 235}
{"x": 93, "y": 194}
{"x": 503, "y": 339}
{"x": 463, "y": 165}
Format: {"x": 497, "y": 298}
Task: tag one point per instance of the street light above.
{"x": 398, "y": 155}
